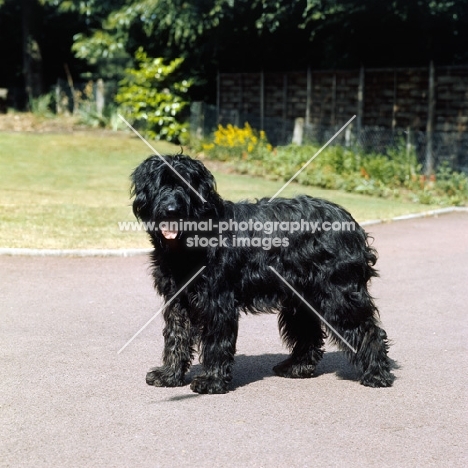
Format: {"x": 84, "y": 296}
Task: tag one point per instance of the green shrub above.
{"x": 42, "y": 105}
{"x": 152, "y": 99}
{"x": 395, "y": 174}
{"x": 451, "y": 185}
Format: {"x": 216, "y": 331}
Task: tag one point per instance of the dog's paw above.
{"x": 163, "y": 377}
{"x": 294, "y": 370}
{"x": 377, "y": 380}
{"x": 209, "y": 384}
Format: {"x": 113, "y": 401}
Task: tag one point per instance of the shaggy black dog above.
{"x": 290, "y": 256}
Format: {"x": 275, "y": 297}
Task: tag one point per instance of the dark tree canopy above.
{"x": 100, "y": 37}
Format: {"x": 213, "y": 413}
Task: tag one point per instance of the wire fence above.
{"x": 447, "y": 147}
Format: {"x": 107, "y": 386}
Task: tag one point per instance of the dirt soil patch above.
{"x": 28, "y": 122}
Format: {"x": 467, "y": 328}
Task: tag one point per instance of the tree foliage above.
{"x": 271, "y": 34}
{"x": 274, "y": 34}
{"x": 244, "y": 35}
{"x": 153, "y": 99}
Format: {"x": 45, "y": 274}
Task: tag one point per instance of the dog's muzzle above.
{"x": 167, "y": 227}
{"x": 168, "y": 233}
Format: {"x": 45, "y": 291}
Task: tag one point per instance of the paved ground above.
{"x": 68, "y": 400}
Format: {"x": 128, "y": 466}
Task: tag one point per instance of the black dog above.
{"x": 258, "y": 257}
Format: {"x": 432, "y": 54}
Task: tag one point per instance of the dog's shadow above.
{"x": 250, "y": 369}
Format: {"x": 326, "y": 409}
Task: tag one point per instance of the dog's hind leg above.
{"x": 302, "y": 333}
{"x": 217, "y": 349}
{"x": 178, "y": 351}
{"x": 371, "y": 358}
{"x": 356, "y": 322}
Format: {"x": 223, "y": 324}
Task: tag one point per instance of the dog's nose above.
{"x": 171, "y": 209}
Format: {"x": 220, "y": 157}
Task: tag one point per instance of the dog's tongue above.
{"x": 169, "y": 234}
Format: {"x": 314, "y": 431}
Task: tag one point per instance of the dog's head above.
{"x": 169, "y": 188}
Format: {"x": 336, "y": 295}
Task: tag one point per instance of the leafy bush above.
{"x": 153, "y": 100}
{"x": 452, "y": 185}
{"x": 42, "y": 105}
{"x": 395, "y": 174}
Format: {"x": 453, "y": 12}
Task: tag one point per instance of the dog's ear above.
{"x": 140, "y": 205}
{"x": 206, "y": 183}
{"x": 209, "y": 190}
{"x": 142, "y": 189}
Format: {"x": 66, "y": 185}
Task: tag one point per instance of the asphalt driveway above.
{"x": 67, "y": 399}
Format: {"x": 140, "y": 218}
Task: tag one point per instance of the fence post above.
{"x": 74, "y": 94}
{"x": 333, "y": 110}
{"x": 408, "y": 142}
{"x": 218, "y": 96}
{"x": 58, "y": 97}
{"x": 196, "y": 120}
{"x": 430, "y": 122}
{"x": 241, "y": 95}
{"x": 262, "y": 100}
{"x": 298, "y": 133}
{"x": 394, "y": 108}
{"x": 100, "y": 97}
{"x": 285, "y": 106}
{"x": 309, "y": 96}
{"x": 360, "y": 103}
{"x": 348, "y": 134}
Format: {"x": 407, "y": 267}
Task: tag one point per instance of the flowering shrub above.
{"x": 232, "y": 143}
{"x": 393, "y": 175}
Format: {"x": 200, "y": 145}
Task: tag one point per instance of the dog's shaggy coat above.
{"x": 329, "y": 268}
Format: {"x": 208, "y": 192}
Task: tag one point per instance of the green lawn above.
{"x": 71, "y": 190}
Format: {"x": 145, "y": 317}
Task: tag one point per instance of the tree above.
{"x": 396, "y": 33}
{"x": 250, "y": 35}
{"x": 32, "y": 55}
{"x": 103, "y": 49}
{"x": 280, "y": 34}
{"x": 35, "y": 43}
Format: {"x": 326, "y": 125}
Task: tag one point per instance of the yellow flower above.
{"x": 245, "y": 139}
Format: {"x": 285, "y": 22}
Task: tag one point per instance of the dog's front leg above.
{"x": 217, "y": 350}
{"x": 178, "y": 350}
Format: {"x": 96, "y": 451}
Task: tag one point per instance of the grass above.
{"x": 69, "y": 191}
